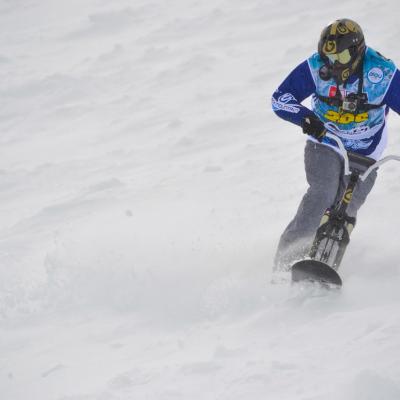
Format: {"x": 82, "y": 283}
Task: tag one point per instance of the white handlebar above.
{"x": 343, "y": 152}
{"x": 378, "y": 164}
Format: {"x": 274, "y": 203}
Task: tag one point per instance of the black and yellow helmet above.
{"x": 341, "y": 47}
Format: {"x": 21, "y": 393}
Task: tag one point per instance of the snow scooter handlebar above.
{"x": 373, "y": 164}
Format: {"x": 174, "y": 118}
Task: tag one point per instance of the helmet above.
{"x": 341, "y": 47}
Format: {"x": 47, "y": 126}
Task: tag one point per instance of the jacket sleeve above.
{"x": 392, "y": 97}
{"x": 286, "y": 100}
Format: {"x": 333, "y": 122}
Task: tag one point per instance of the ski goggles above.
{"x": 344, "y": 57}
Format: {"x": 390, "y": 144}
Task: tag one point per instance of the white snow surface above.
{"x": 144, "y": 184}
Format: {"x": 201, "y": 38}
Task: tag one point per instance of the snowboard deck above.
{"x": 316, "y": 272}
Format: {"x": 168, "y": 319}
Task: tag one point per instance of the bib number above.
{"x": 346, "y": 118}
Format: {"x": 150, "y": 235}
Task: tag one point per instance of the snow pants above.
{"x": 324, "y": 169}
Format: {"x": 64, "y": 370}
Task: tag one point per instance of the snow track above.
{"x": 144, "y": 183}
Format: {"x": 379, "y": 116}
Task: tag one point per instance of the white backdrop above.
{"x": 144, "y": 183}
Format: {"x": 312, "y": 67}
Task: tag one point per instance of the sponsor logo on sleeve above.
{"x": 286, "y": 98}
{"x": 282, "y": 104}
{"x": 375, "y": 75}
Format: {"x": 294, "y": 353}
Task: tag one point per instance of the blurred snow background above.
{"x": 144, "y": 183}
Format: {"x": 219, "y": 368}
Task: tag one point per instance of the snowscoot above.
{"x": 333, "y": 234}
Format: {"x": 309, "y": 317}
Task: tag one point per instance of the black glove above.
{"x": 314, "y": 127}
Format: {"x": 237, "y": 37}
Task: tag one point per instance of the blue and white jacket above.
{"x": 363, "y": 133}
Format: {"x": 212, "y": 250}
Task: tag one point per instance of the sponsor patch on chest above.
{"x": 332, "y": 91}
{"x": 375, "y": 75}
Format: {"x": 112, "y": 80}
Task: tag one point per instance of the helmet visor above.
{"x": 344, "y": 57}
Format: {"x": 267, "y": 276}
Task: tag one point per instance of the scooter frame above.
{"x": 333, "y": 234}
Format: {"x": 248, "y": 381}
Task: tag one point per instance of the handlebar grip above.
{"x": 359, "y": 159}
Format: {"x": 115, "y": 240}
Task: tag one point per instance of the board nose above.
{"x": 315, "y": 271}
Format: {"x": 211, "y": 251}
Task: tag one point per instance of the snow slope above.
{"x": 144, "y": 183}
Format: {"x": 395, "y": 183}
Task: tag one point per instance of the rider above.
{"x": 352, "y": 87}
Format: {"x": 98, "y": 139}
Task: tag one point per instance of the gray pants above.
{"x": 324, "y": 171}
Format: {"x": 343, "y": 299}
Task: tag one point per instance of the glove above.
{"x": 314, "y": 127}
